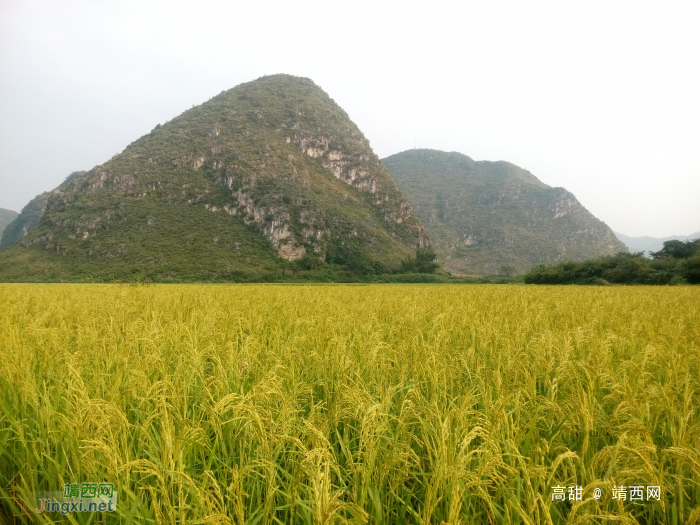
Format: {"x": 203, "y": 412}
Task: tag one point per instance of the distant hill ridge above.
{"x": 6, "y": 217}
{"x": 652, "y": 244}
{"x": 268, "y": 173}
{"x": 494, "y": 217}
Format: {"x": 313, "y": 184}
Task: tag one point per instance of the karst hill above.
{"x": 270, "y": 176}
{"x": 494, "y": 217}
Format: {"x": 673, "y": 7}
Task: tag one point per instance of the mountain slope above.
{"x": 494, "y": 217}
{"x": 652, "y": 244}
{"x": 6, "y": 217}
{"x": 26, "y": 221}
{"x": 30, "y": 216}
{"x": 268, "y": 172}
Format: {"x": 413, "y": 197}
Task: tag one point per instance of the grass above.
{"x": 266, "y": 404}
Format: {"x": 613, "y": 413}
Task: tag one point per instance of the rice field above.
{"x": 383, "y": 404}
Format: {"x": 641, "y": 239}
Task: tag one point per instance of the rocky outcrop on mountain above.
{"x": 273, "y": 165}
{"x": 487, "y": 218}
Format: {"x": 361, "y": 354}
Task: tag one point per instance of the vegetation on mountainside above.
{"x": 6, "y": 217}
{"x": 489, "y": 218}
{"x": 273, "y": 165}
{"x": 677, "y": 263}
{"x": 25, "y": 222}
{"x": 329, "y": 404}
{"x": 31, "y": 215}
{"x": 259, "y": 266}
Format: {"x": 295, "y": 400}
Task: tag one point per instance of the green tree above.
{"x": 678, "y": 249}
{"x": 423, "y": 262}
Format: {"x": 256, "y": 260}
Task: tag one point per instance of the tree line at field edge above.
{"x": 678, "y": 262}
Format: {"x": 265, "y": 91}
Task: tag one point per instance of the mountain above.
{"x": 27, "y": 220}
{"x": 485, "y": 218}
{"x": 30, "y": 216}
{"x": 6, "y": 217}
{"x": 269, "y": 176}
{"x": 652, "y": 244}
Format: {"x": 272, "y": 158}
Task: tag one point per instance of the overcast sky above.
{"x": 602, "y": 98}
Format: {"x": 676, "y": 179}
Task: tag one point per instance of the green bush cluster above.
{"x": 423, "y": 262}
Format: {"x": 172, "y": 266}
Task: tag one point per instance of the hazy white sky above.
{"x": 602, "y": 98}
